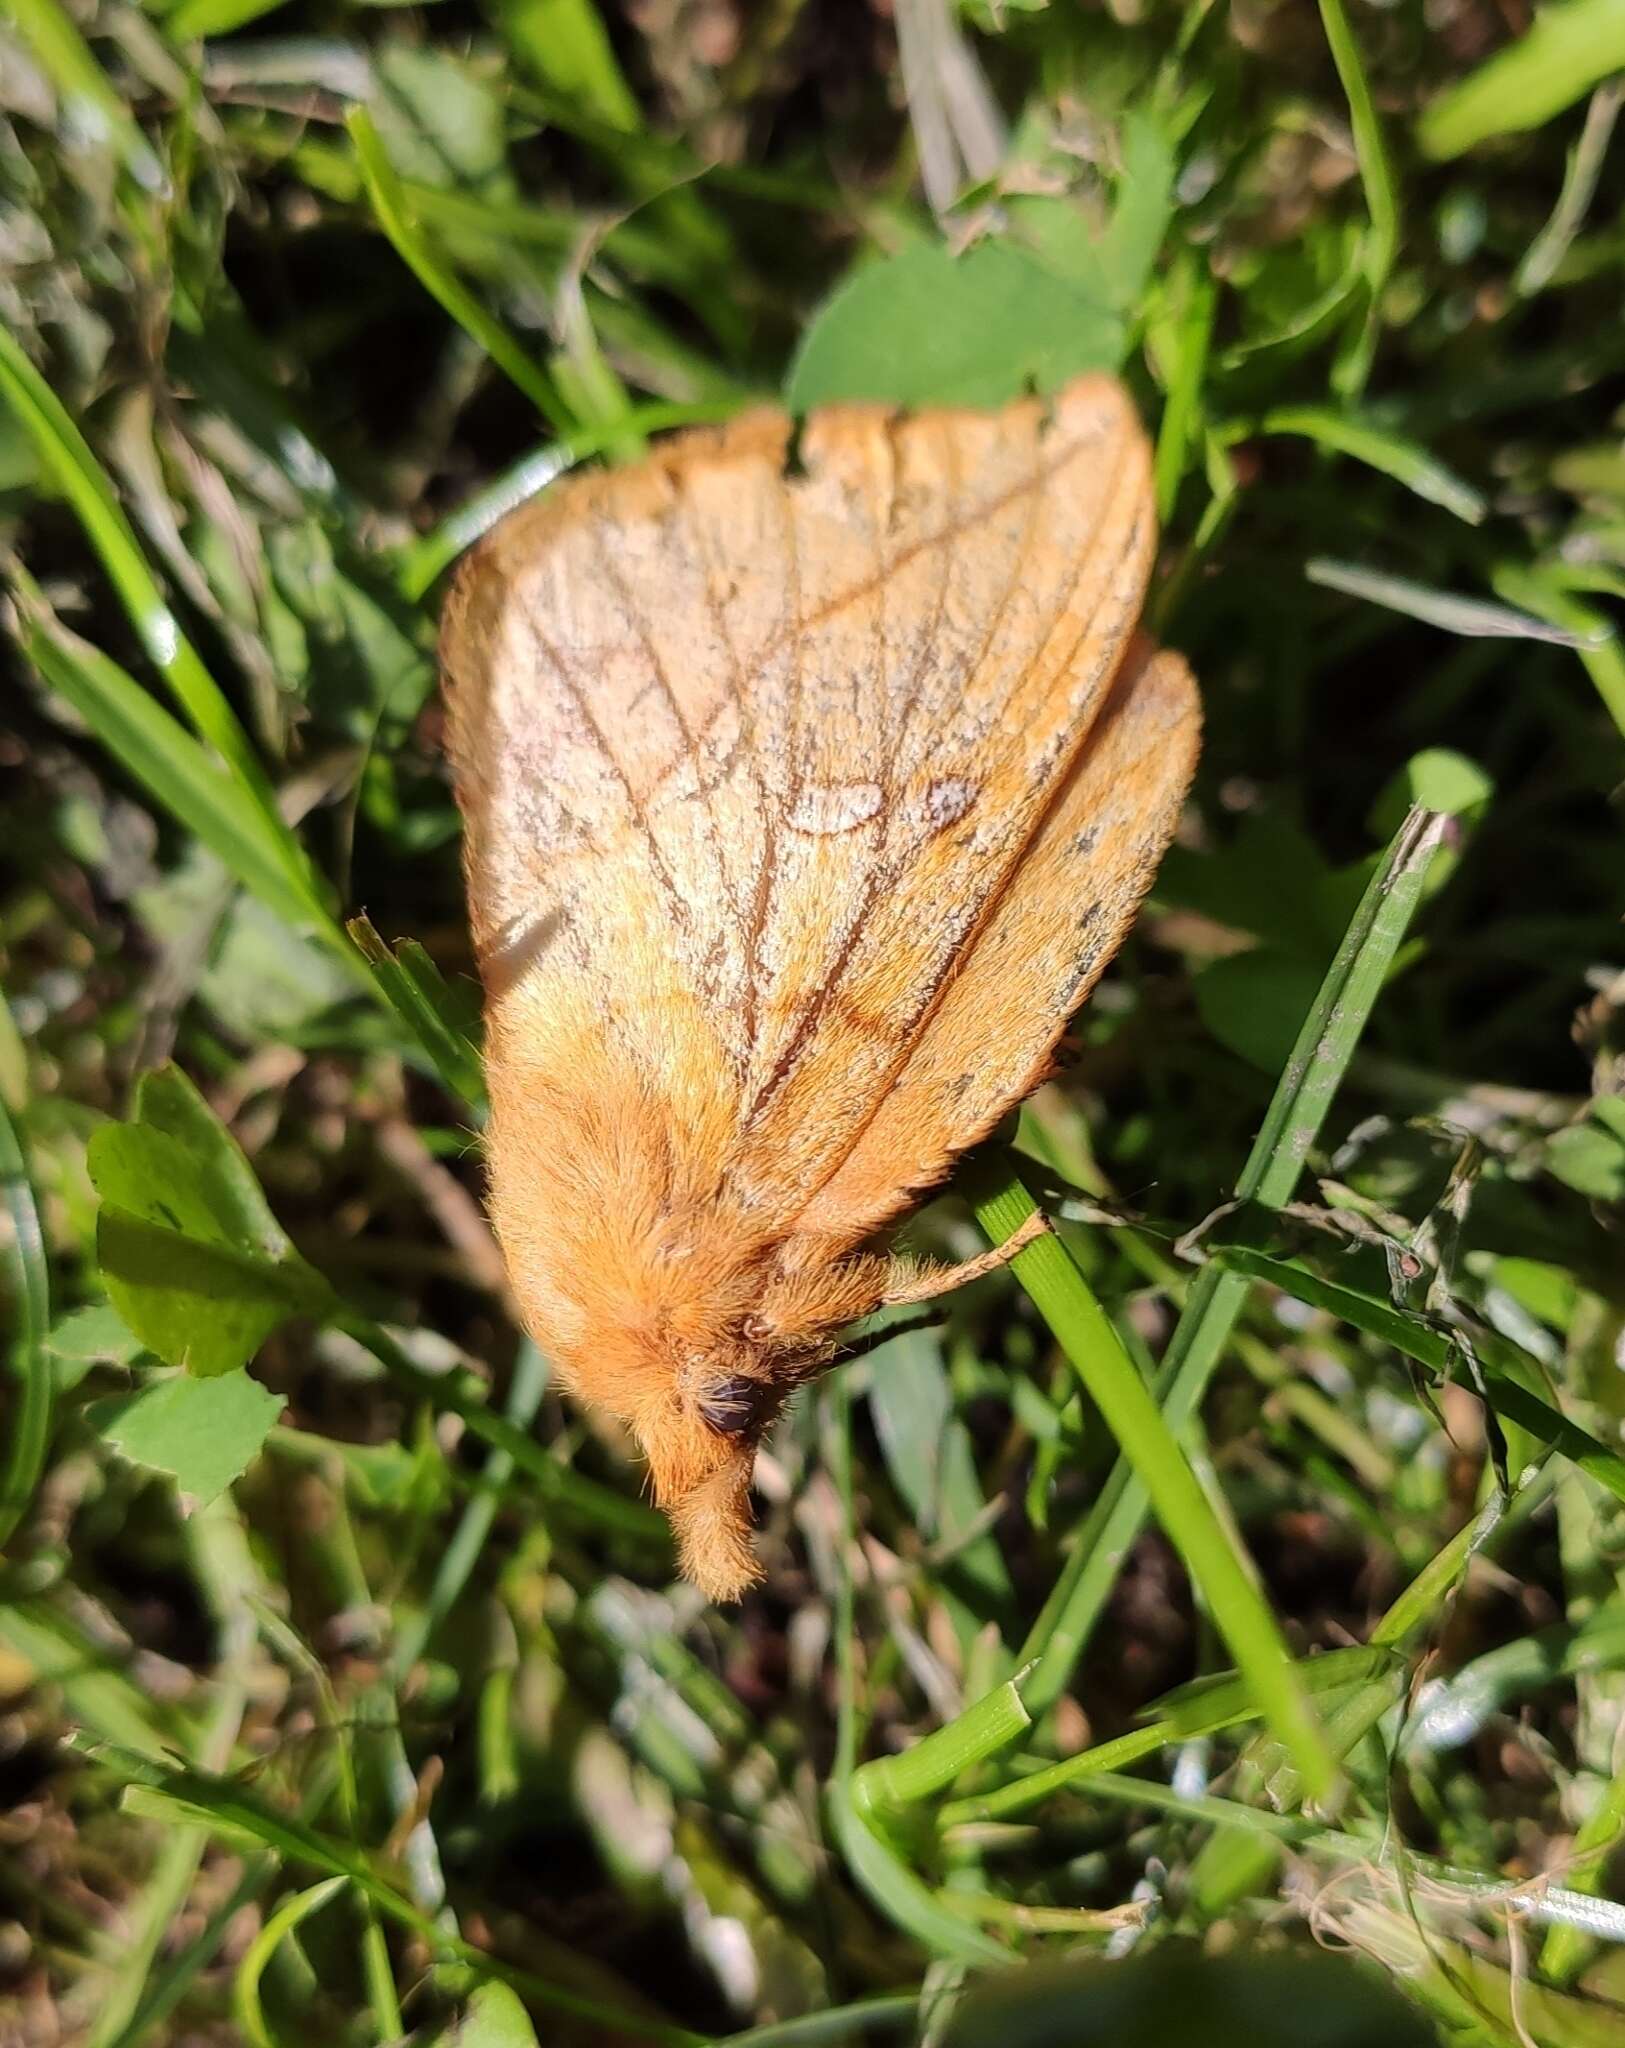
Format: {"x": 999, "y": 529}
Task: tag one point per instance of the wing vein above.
{"x": 581, "y": 699}
{"x": 970, "y": 925}
{"x": 638, "y": 621}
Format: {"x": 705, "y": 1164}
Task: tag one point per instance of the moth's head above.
{"x": 700, "y": 1438}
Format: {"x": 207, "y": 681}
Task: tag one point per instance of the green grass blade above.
{"x": 1580, "y": 175}
{"x": 245, "y": 1991}
{"x": 1381, "y": 199}
{"x": 1086, "y": 1334}
{"x": 1590, "y": 632}
{"x": 66, "y": 456}
{"x": 933, "y": 1763}
{"x": 1226, "y": 1700}
{"x": 460, "y": 1393}
{"x": 392, "y": 208}
{"x": 565, "y": 43}
{"x": 183, "y": 776}
{"x": 874, "y": 1864}
{"x": 197, "y": 20}
{"x": 188, "y": 782}
{"x": 1182, "y": 338}
{"x": 1568, "y": 49}
{"x": 1302, "y": 1097}
{"x": 174, "y": 1973}
{"x": 411, "y": 985}
{"x": 1432, "y": 1346}
{"x": 89, "y": 102}
{"x": 1421, "y": 1599}
{"x": 1343, "y": 433}
{"x": 1570, "y": 1944}
{"x": 22, "y": 1261}
{"x": 896, "y": 2009}
{"x": 234, "y": 1811}
{"x": 474, "y": 1525}
{"x": 1469, "y": 618}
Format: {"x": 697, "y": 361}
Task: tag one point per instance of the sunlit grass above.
{"x": 1239, "y": 1569}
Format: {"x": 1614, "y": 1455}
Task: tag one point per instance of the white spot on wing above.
{"x": 829, "y": 807}
{"x": 946, "y": 802}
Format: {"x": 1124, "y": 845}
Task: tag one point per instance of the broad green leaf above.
{"x": 267, "y": 986}
{"x": 925, "y": 328}
{"x": 168, "y": 1103}
{"x": 203, "y": 1433}
{"x": 1062, "y": 234}
{"x": 1179, "y": 1998}
{"x": 89, "y": 1337}
{"x": 442, "y": 124}
{"x": 1549, "y": 1293}
{"x": 1254, "y": 1003}
{"x": 193, "y": 1260}
{"x": 1590, "y": 1160}
{"x": 494, "y": 2017}
{"x": 1271, "y": 880}
{"x": 1609, "y": 1111}
{"x": 565, "y": 44}
{"x": 1440, "y": 779}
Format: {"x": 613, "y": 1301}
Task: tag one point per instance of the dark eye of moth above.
{"x": 734, "y": 1407}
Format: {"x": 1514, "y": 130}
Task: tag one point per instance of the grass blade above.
{"x": 235, "y": 1812}
{"x": 1302, "y": 1097}
{"x": 1344, "y": 433}
{"x": 1382, "y": 201}
{"x": 22, "y": 1259}
{"x": 412, "y": 986}
{"x": 393, "y": 210}
{"x": 1568, "y": 49}
{"x": 1469, "y": 618}
{"x": 1584, "y": 167}
{"x": 182, "y": 775}
{"x": 67, "y": 458}
{"x": 1086, "y": 1334}
{"x": 1431, "y": 1346}
{"x": 245, "y": 1991}
{"x": 1589, "y": 632}
{"x": 90, "y": 105}
{"x": 1183, "y": 338}
{"x": 876, "y": 1866}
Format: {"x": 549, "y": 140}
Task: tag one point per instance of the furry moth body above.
{"x": 801, "y": 811}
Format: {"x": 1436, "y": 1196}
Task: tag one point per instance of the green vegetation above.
{"x": 1245, "y": 1568}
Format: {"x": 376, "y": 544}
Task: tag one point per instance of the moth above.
{"x": 808, "y": 783}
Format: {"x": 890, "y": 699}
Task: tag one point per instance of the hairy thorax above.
{"x": 659, "y": 1294}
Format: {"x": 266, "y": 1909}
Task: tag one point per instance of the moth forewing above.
{"x": 800, "y": 812}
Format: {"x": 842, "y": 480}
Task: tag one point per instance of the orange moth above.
{"x": 805, "y": 797}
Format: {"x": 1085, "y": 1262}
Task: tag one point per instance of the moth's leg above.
{"x": 914, "y": 1283}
